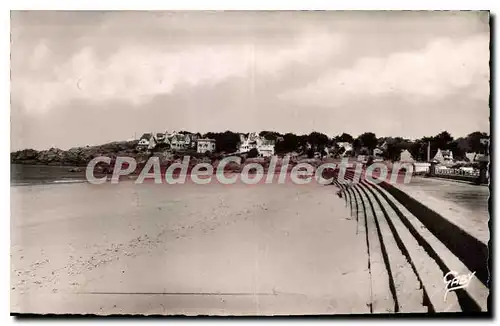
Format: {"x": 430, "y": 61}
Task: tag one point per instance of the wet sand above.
{"x": 185, "y": 249}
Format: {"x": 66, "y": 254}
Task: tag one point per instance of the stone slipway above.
{"x": 455, "y": 212}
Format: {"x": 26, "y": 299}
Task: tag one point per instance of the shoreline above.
{"x": 272, "y": 171}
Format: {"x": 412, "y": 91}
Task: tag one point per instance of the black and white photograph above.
{"x": 250, "y": 163}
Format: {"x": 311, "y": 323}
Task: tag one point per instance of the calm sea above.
{"x": 21, "y": 174}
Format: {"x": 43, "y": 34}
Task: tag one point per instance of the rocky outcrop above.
{"x": 76, "y": 156}
{"x": 28, "y": 156}
{"x": 81, "y": 156}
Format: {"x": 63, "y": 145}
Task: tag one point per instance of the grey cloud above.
{"x": 89, "y": 77}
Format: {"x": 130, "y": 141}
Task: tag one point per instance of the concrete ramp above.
{"x": 419, "y": 250}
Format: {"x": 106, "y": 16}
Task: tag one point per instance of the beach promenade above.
{"x": 419, "y": 237}
{"x": 463, "y": 203}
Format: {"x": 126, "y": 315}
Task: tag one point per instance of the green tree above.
{"x": 393, "y": 151}
{"x": 344, "y": 138}
{"x": 356, "y": 145}
{"x": 253, "y": 153}
{"x": 474, "y": 141}
{"x": 317, "y": 140}
{"x": 369, "y": 140}
{"x": 226, "y": 141}
{"x": 458, "y": 152}
{"x": 418, "y": 150}
{"x": 290, "y": 143}
{"x": 442, "y": 140}
{"x": 270, "y": 135}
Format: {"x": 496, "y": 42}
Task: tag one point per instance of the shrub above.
{"x": 253, "y": 153}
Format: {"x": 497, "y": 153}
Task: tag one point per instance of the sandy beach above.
{"x": 185, "y": 249}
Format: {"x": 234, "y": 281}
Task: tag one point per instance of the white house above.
{"x": 177, "y": 141}
{"x": 247, "y": 143}
{"x": 266, "y": 150}
{"x": 181, "y": 141}
{"x": 204, "y": 145}
{"x": 187, "y": 141}
{"x": 346, "y": 146}
{"x": 443, "y": 156}
{"x": 448, "y": 155}
{"x": 405, "y": 156}
{"x": 264, "y": 147}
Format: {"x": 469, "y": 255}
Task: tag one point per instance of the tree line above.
{"x": 365, "y": 143}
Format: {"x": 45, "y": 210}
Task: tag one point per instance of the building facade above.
{"x": 147, "y": 141}
{"x": 204, "y": 145}
{"x": 264, "y": 147}
{"x": 443, "y": 156}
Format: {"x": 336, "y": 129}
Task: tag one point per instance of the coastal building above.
{"x": 448, "y": 155}
{"x": 443, "y": 156}
{"x": 471, "y": 156}
{"x": 187, "y": 141}
{"x": 160, "y": 138}
{"x": 249, "y": 142}
{"x": 345, "y": 148}
{"x": 406, "y": 157}
{"x": 264, "y": 147}
{"x": 266, "y": 150}
{"x": 168, "y": 140}
{"x": 181, "y": 141}
{"x": 147, "y": 141}
{"x": 193, "y": 141}
{"x": 204, "y": 145}
{"x": 177, "y": 141}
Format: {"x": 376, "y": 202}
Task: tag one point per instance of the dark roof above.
{"x": 176, "y": 137}
{"x": 146, "y": 136}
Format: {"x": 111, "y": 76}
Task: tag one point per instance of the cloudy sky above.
{"x": 81, "y": 78}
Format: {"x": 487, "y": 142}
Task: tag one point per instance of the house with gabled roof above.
{"x": 470, "y": 156}
{"x": 177, "y": 141}
{"x": 443, "y": 156}
{"x": 160, "y": 137}
{"x": 204, "y": 145}
{"x": 147, "y": 141}
{"x": 406, "y": 156}
{"x": 182, "y": 141}
{"x": 264, "y": 146}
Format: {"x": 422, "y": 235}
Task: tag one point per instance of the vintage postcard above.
{"x": 250, "y": 163}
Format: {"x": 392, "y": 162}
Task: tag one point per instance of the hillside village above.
{"x": 184, "y": 141}
{"x": 176, "y": 141}
{"x": 264, "y": 147}
{"x": 442, "y": 148}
